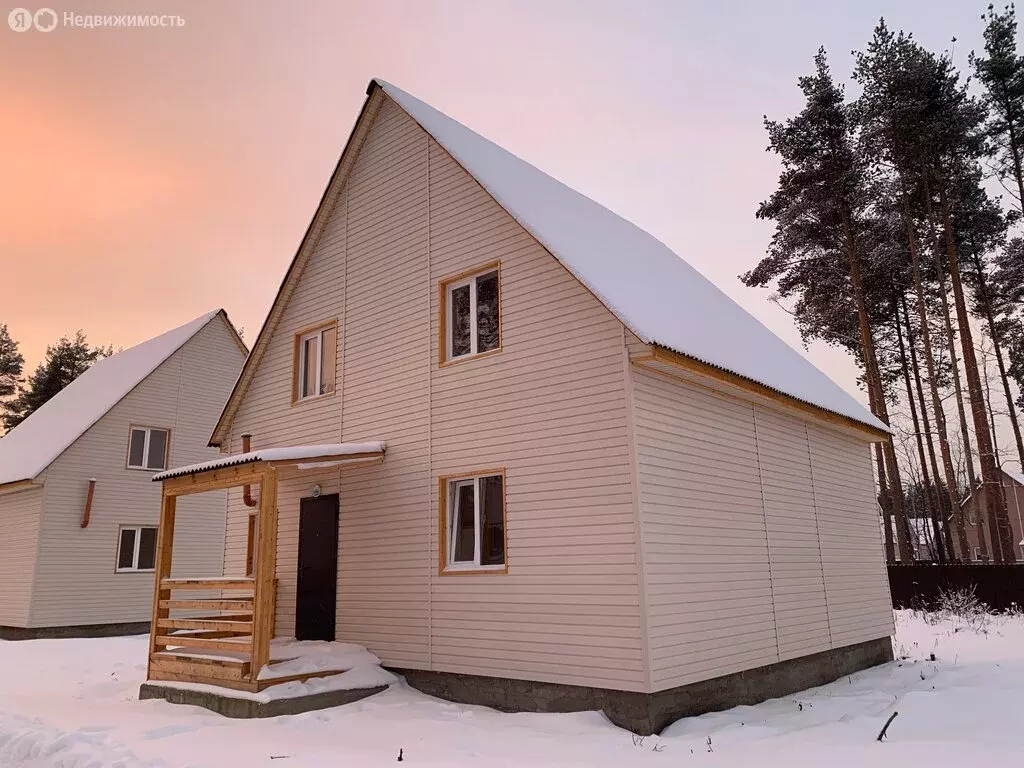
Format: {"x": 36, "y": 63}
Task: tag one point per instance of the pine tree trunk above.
{"x": 991, "y": 487}
{"x": 884, "y": 501}
{"x": 940, "y": 271}
{"x": 926, "y": 344}
{"x": 947, "y": 537}
{"x": 930, "y": 511}
{"x": 986, "y": 304}
{"x": 874, "y": 381}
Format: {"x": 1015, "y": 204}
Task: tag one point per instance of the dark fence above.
{"x": 918, "y": 585}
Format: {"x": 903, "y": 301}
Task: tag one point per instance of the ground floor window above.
{"x": 473, "y": 519}
{"x": 136, "y": 549}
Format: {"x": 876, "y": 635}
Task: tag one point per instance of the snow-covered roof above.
{"x": 313, "y": 454}
{"x": 654, "y": 292}
{"x": 1017, "y": 477}
{"x": 33, "y": 445}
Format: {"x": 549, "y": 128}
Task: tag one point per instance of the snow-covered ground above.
{"x": 72, "y": 703}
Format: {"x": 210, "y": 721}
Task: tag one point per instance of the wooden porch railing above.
{"x": 239, "y": 622}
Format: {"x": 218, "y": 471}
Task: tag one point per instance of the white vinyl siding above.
{"x": 20, "y": 513}
{"x": 553, "y": 415}
{"x": 77, "y": 582}
{"x": 760, "y": 534}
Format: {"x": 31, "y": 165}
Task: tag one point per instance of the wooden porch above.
{"x": 222, "y": 637}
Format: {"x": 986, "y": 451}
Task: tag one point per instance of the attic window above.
{"x": 471, "y": 314}
{"x": 314, "y": 366}
{"x": 147, "y": 448}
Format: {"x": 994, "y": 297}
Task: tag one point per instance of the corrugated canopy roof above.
{"x": 330, "y": 453}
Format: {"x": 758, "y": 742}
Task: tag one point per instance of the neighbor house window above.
{"x": 977, "y": 553}
{"x": 147, "y": 448}
{"x": 136, "y": 549}
{"x": 473, "y": 512}
{"x": 470, "y": 314}
{"x": 315, "y": 362}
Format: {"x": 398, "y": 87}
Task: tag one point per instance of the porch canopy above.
{"x": 300, "y": 456}
{"x": 182, "y": 647}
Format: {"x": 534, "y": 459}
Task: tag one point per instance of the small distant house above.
{"x": 77, "y": 508}
{"x": 522, "y": 452}
{"x": 977, "y": 525}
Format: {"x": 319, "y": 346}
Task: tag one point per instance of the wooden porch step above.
{"x": 241, "y": 645}
{"x": 218, "y": 624}
{"x": 189, "y": 666}
{"x": 220, "y": 604}
{"x": 208, "y": 583}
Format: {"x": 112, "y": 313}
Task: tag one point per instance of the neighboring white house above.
{"x": 77, "y": 508}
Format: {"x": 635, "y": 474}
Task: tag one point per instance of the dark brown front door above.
{"x": 317, "y": 591}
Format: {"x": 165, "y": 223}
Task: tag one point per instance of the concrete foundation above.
{"x": 649, "y": 713}
{"x": 231, "y": 705}
{"x": 81, "y": 630}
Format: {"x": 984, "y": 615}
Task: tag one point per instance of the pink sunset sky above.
{"x": 149, "y": 175}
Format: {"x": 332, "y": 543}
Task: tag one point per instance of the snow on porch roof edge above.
{"x": 297, "y": 453}
{"x": 658, "y": 295}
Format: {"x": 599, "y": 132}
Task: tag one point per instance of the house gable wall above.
{"x": 550, "y": 409}
{"x": 76, "y": 582}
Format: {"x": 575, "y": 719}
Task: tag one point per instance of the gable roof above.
{"x": 652, "y": 291}
{"x": 34, "y": 444}
{"x": 1016, "y": 477}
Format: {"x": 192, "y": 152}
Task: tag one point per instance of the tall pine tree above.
{"x": 11, "y": 364}
{"x": 1001, "y": 72}
{"x": 819, "y": 209}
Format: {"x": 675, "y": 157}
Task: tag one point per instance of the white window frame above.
{"x": 977, "y": 553}
{"x": 453, "y": 484}
{"x": 145, "y": 448}
{"x": 318, "y": 389}
{"x": 135, "y": 554}
{"x": 453, "y": 286}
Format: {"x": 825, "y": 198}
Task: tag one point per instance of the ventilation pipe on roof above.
{"x": 247, "y": 489}
{"x": 88, "y": 503}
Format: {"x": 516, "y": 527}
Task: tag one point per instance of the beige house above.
{"x": 524, "y": 453}
{"x": 78, "y": 510}
{"x": 977, "y": 528}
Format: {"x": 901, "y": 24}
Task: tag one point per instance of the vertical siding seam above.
{"x": 634, "y": 479}
{"x": 344, "y": 325}
{"x": 430, "y": 431}
{"x": 38, "y": 553}
{"x": 817, "y": 531}
{"x": 177, "y": 403}
{"x": 767, "y": 535}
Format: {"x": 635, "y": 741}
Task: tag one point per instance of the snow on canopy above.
{"x": 654, "y": 292}
{"x": 32, "y": 446}
{"x": 317, "y": 453}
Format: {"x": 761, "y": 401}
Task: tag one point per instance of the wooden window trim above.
{"x": 145, "y": 448}
{"x": 442, "y": 317}
{"x": 138, "y": 541}
{"x": 442, "y": 519}
{"x": 297, "y": 357}
{"x": 250, "y": 545}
